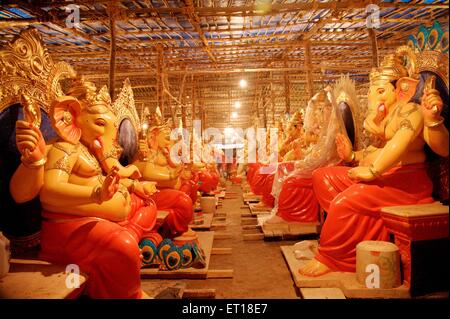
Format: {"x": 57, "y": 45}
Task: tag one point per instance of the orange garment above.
{"x": 354, "y": 208}
{"x": 106, "y": 251}
{"x": 179, "y": 206}
{"x": 206, "y": 181}
{"x": 297, "y": 202}
{"x": 190, "y": 187}
{"x": 251, "y": 171}
{"x": 214, "y": 178}
{"x": 262, "y": 180}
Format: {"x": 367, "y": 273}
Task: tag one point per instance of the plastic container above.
{"x": 5, "y": 255}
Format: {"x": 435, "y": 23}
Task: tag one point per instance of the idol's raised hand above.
{"x": 344, "y": 147}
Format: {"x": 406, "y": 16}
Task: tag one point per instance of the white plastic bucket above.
{"x": 208, "y": 204}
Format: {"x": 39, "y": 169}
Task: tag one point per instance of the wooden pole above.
{"x": 309, "y": 73}
{"x": 374, "y": 46}
{"x": 272, "y": 100}
{"x": 193, "y": 93}
{"x": 112, "y": 50}
{"x": 287, "y": 92}
{"x": 264, "y": 109}
{"x": 160, "y": 78}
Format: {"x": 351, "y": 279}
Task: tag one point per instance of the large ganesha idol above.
{"x": 392, "y": 175}
{"x": 85, "y": 211}
{"x": 292, "y": 188}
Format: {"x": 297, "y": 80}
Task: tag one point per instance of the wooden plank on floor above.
{"x": 206, "y": 225}
{"x": 259, "y": 236}
{"x": 322, "y": 293}
{"x": 206, "y": 241}
{"x": 163, "y": 289}
{"x": 249, "y": 221}
{"x": 345, "y": 281}
{"x": 220, "y": 273}
{"x": 259, "y": 210}
{"x": 222, "y": 235}
{"x": 248, "y": 227}
{"x": 221, "y": 251}
{"x": 35, "y": 279}
{"x": 205, "y": 293}
{"x": 287, "y": 230}
{"x": 219, "y": 225}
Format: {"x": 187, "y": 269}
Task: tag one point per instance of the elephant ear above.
{"x": 406, "y": 88}
{"x": 63, "y": 113}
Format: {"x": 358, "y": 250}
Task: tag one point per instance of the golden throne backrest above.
{"x": 430, "y": 45}
{"x": 344, "y": 91}
{"x": 124, "y": 108}
{"x": 27, "y": 68}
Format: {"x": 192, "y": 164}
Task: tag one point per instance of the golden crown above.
{"x": 396, "y": 65}
{"x": 85, "y": 92}
{"x": 297, "y": 118}
{"x": 155, "y": 120}
{"x": 321, "y": 98}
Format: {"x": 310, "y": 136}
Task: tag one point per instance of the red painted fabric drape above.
{"x": 354, "y": 208}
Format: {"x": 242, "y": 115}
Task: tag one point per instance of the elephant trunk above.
{"x": 108, "y": 154}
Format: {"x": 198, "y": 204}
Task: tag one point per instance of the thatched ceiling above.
{"x": 192, "y": 53}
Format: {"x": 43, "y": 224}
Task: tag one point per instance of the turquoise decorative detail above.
{"x": 148, "y": 249}
{"x": 433, "y": 38}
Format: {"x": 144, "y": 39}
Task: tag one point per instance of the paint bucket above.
{"x": 208, "y": 204}
{"x": 378, "y": 264}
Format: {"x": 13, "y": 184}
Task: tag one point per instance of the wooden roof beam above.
{"x": 285, "y": 7}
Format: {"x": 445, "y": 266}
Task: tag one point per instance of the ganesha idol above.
{"x": 204, "y": 166}
{"x": 391, "y": 175}
{"x": 95, "y": 213}
{"x": 261, "y": 175}
{"x": 177, "y": 187}
{"x": 85, "y": 211}
{"x": 295, "y": 199}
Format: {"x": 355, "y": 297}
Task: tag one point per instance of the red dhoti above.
{"x": 190, "y": 187}
{"x": 206, "y": 181}
{"x": 214, "y": 178}
{"x": 262, "y": 181}
{"x": 354, "y": 208}
{"x": 296, "y": 201}
{"x": 179, "y": 206}
{"x": 107, "y": 251}
{"x": 267, "y": 197}
{"x": 251, "y": 171}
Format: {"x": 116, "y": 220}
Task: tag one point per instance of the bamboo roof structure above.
{"x": 188, "y": 56}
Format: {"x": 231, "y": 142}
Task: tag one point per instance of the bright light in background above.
{"x": 243, "y": 83}
{"x": 145, "y": 126}
{"x": 229, "y": 130}
{"x": 237, "y": 104}
{"x": 234, "y": 115}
